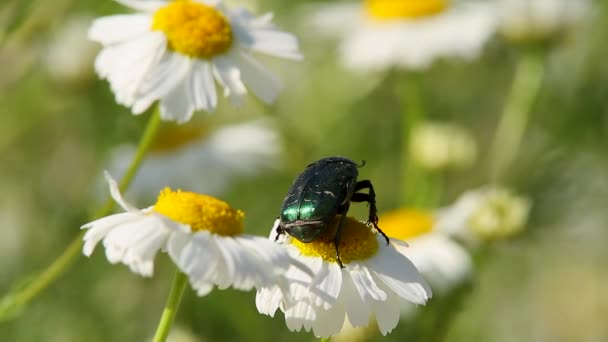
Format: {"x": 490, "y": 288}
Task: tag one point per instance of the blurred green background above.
{"x": 57, "y": 133}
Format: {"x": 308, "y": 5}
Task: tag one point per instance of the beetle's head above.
{"x": 306, "y": 231}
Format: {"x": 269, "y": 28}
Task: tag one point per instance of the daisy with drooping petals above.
{"x": 379, "y": 34}
{"x": 175, "y": 51}
{"x": 202, "y": 235}
{"x": 443, "y": 262}
{"x": 181, "y": 151}
{"x": 377, "y": 279}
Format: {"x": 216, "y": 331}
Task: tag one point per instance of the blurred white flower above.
{"x": 202, "y": 235}
{"x": 539, "y": 20}
{"x": 188, "y": 159}
{"x": 439, "y": 146}
{"x": 443, "y": 262}
{"x": 175, "y": 51}
{"x": 70, "y": 55}
{"x": 376, "y": 281}
{"x": 411, "y": 34}
{"x": 485, "y": 214}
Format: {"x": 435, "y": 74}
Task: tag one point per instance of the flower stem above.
{"x": 15, "y": 301}
{"x": 418, "y": 189}
{"x": 166, "y": 320}
{"x": 524, "y": 91}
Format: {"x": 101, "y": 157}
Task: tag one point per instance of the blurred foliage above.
{"x": 55, "y": 138}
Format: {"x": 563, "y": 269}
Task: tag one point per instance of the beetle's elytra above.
{"x": 322, "y": 191}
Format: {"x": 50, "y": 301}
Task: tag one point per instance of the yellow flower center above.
{"x": 194, "y": 29}
{"x": 175, "y": 136}
{"x": 405, "y": 224}
{"x": 396, "y": 9}
{"x": 200, "y": 212}
{"x": 357, "y": 242}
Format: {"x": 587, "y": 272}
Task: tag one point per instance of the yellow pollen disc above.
{"x": 395, "y": 9}
{"x": 405, "y": 224}
{"x": 357, "y": 242}
{"x": 201, "y": 212}
{"x": 175, "y": 136}
{"x": 194, "y": 29}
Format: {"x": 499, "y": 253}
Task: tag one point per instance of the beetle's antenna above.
{"x": 362, "y": 163}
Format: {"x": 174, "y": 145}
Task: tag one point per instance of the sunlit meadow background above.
{"x": 59, "y": 124}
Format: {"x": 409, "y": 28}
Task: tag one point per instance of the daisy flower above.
{"x": 443, "y": 262}
{"x": 182, "y": 151}
{"x": 175, "y": 51}
{"x": 202, "y": 235}
{"x": 540, "y": 21}
{"x": 441, "y": 146}
{"x": 485, "y": 214}
{"x": 411, "y": 34}
{"x": 377, "y": 279}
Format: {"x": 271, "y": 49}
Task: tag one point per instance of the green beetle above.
{"x": 322, "y": 191}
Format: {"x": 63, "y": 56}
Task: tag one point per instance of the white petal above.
{"x": 270, "y": 42}
{"x": 357, "y": 306}
{"x": 136, "y": 243}
{"x": 387, "y": 313}
{"x": 329, "y": 322}
{"x": 197, "y": 256}
{"x": 443, "y": 262}
{"x": 143, "y": 5}
{"x": 400, "y": 275}
{"x": 300, "y": 315}
{"x": 202, "y": 90}
{"x": 228, "y": 76}
{"x": 364, "y": 283}
{"x": 169, "y": 72}
{"x": 176, "y": 105}
{"x": 326, "y": 292}
{"x": 268, "y": 300}
{"x": 119, "y": 28}
{"x": 98, "y": 229}
{"x": 116, "y": 195}
{"x": 258, "y": 78}
{"x": 126, "y": 65}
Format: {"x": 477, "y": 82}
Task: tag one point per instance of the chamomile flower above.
{"x": 411, "y": 34}
{"x": 202, "y": 235}
{"x": 189, "y": 157}
{"x": 376, "y": 281}
{"x": 175, "y": 51}
{"x": 443, "y": 262}
{"x": 485, "y": 214}
{"x": 440, "y": 146}
{"x": 524, "y": 21}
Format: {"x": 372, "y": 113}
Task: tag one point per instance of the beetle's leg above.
{"x": 371, "y": 199}
{"x": 337, "y": 239}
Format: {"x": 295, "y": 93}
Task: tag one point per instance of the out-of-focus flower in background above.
{"x": 442, "y": 262}
{"x": 187, "y": 157}
{"x": 69, "y": 55}
{"x": 439, "y": 146}
{"x": 376, "y": 281}
{"x": 486, "y": 214}
{"x": 175, "y": 51}
{"x": 539, "y": 21}
{"x": 411, "y": 34}
{"x": 202, "y": 235}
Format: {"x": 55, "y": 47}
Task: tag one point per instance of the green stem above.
{"x": 524, "y": 91}
{"x": 24, "y": 295}
{"x": 415, "y": 184}
{"x": 325, "y": 339}
{"x": 166, "y": 320}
